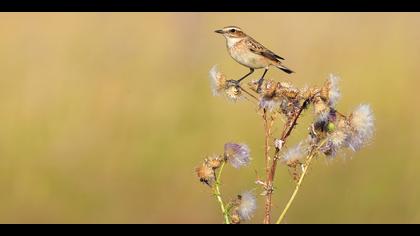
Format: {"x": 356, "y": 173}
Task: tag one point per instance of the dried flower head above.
{"x": 235, "y": 218}
{"x": 269, "y": 100}
{"x": 220, "y": 84}
{"x": 362, "y": 124}
{"x": 268, "y": 89}
{"x": 289, "y": 107}
{"x": 233, "y": 92}
{"x": 287, "y": 90}
{"x": 330, "y": 92}
{"x": 338, "y": 138}
{"x": 206, "y": 174}
{"x": 217, "y": 80}
{"x": 270, "y": 103}
{"x": 308, "y": 92}
{"x": 294, "y": 155}
{"x": 286, "y": 85}
{"x": 214, "y": 161}
{"x": 238, "y": 155}
{"x": 321, "y": 109}
{"x": 335, "y": 141}
{"x": 247, "y": 206}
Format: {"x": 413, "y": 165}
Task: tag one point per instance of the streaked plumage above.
{"x": 249, "y": 52}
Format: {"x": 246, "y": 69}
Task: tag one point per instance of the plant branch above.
{"x": 299, "y": 184}
{"x": 218, "y": 195}
{"x": 288, "y": 127}
{"x": 267, "y": 129}
{"x": 250, "y": 94}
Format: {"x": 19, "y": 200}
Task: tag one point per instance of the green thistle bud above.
{"x": 330, "y": 127}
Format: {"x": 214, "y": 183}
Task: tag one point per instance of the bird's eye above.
{"x": 232, "y": 30}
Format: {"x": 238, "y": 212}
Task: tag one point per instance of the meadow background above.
{"x": 103, "y": 116}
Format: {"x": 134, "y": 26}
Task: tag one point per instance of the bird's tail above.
{"x": 285, "y": 69}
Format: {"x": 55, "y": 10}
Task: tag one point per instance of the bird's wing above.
{"x": 258, "y": 48}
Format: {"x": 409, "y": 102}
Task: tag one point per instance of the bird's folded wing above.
{"x": 257, "y": 48}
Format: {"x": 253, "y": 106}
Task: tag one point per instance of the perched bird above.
{"x": 250, "y": 53}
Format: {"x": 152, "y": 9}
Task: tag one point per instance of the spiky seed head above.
{"x": 247, "y": 206}
{"x": 206, "y": 174}
{"x": 233, "y": 93}
{"x": 238, "y": 155}
{"x": 218, "y": 81}
{"x": 214, "y": 161}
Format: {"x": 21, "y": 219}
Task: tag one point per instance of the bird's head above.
{"x": 231, "y": 32}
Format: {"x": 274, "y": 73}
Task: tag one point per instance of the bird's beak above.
{"x": 219, "y": 31}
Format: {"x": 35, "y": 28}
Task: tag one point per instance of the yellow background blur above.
{"x": 103, "y": 116}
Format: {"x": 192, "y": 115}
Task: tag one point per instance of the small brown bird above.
{"x": 250, "y": 53}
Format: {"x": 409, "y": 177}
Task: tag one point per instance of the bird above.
{"x": 250, "y": 53}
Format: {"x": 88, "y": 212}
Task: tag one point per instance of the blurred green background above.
{"x": 103, "y": 116}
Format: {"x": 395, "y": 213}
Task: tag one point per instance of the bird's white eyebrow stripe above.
{"x": 232, "y": 27}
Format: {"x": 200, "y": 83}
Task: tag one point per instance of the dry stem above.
{"x": 267, "y": 128}
{"x": 298, "y": 185}
{"x": 271, "y": 174}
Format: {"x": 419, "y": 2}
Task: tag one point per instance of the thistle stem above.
{"x": 218, "y": 195}
{"x": 299, "y": 184}
{"x": 267, "y": 128}
{"x": 272, "y": 171}
{"x": 292, "y": 198}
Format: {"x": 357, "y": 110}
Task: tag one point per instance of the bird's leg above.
{"x": 260, "y": 81}
{"x": 251, "y": 70}
{"x": 236, "y": 82}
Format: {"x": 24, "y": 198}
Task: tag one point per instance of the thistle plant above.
{"x": 329, "y": 134}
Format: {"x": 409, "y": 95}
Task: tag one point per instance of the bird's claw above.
{"x": 232, "y": 82}
{"x": 260, "y": 82}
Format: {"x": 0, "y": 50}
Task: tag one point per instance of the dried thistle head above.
{"x": 233, "y": 92}
{"x": 214, "y": 161}
{"x": 235, "y": 218}
{"x": 218, "y": 81}
{"x": 321, "y": 109}
{"x": 294, "y": 155}
{"x": 309, "y": 92}
{"x": 287, "y": 90}
{"x": 268, "y": 89}
{"x": 206, "y": 174}
{"x": 219, "y": 84}
{"x": 238, "y": 155}
{"x": 243, "y": 207}
{"x": 247, "y": 205}
{"x": 330, "y": 92}
{"x": 270, "y": 103}
{"x": 335, "y": 141}
{"x": 268, "y": 97}
{"x": 361, "y": 122}
{"x": 353, "y": 132}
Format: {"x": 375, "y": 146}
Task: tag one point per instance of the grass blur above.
{"x": 103, "y": 116}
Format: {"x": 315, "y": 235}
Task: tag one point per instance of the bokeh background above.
{"x": 103, "y": 116}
